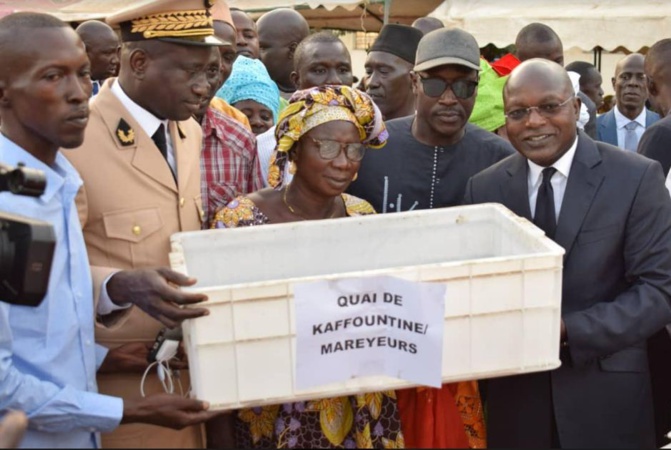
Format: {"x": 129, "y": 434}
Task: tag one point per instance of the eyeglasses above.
{"x": 546, "y": 110}
{"x": 435, "y": 87}
{"x": 331, "y": 149}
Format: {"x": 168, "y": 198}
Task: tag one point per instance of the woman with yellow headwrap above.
{"x": 322, "y": 135}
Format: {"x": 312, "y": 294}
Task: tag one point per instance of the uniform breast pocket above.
{"x": 593, "y": 235}
{"x": 134, "y": 234}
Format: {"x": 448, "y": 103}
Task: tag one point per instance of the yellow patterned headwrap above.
{"x": 312, "y": 107}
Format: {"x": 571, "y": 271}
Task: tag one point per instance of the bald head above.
{"x": 635, "y": 59}
{"x": 283, "y": 18}
{"x": 657, "y": 68}
{"x": 102, "y": 45}
{"x": 538, "y": 68}
{"x": 427, "y": 24}
{"x": 280, "y": 31}
{"x": 541, "y": 111}
{"x": 537, "y": 40}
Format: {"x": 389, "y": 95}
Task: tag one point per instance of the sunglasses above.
{"x": 545, "y": 110}
{"x": 331, "y": 149}
{"x": 435, "y": 87}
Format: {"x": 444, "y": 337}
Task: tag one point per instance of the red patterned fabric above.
{"x": 228, "y": 163}
{"x": 449, "y": 417}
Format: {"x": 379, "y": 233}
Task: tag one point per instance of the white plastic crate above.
{"x": 502, "y": 309}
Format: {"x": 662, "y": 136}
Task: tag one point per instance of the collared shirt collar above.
{"x": 148, "y": 122}
{"x": 58, "y": 175}
{"x": 210, "y": 126}
{"x": 563, "y": 165}
{"x": 621, "y": 120}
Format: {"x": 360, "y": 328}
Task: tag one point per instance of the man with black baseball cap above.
{"x": 426, "y": 163}
{"x": 388, "y": 70}
{"x": 430, "y": 155}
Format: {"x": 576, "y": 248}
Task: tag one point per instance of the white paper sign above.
{"x": 360, "y": 327}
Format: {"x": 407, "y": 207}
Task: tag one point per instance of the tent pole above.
{"x": 597, "y": 57}
{"x": 387, "y": 11}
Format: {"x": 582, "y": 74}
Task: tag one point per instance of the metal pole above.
{"x": 387, "y": 11}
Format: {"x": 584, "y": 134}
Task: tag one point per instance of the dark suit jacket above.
{"x": 590, "y": 126}
{"x": 615, "y": 225}
{"x": 656, "y": 143}
{"x": 607, "y": 126}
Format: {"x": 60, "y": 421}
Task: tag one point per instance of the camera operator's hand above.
{"x": 12, "y": 428}
{"x": 155, "y": 292}
{"x": 167, "y": 410}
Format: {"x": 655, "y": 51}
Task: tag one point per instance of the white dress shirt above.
{"x": 621, "y": 121}
{"x": 148, "y": 122}
{"x": 558, "y": 180}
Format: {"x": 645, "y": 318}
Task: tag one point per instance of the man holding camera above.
{"x": 48, "y": 357}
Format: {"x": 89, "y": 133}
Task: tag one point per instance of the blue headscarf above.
{"x": 250, "y": 80}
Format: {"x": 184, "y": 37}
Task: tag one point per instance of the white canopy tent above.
{"x": 355, "y": 15}
{"x": 585, "y": 24}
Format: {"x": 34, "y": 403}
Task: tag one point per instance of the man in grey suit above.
{"x": 624, "y": 125}
{"x": 611, "y": 213}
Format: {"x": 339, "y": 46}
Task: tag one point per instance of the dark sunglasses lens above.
{"x": 434, "y": 87}
{"x": 463, "y": 89}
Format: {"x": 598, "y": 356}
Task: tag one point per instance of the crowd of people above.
{"x": 144, "y": 129}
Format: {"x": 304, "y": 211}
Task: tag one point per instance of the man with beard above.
{"x": 430, "y": 155}
{"x": 388, "y": 67}
{"x": 426, "y": 163}
{"x": 624, "y": 125}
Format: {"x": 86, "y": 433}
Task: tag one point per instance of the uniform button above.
{"x": 88, "y": 342}
{"x": 137, "y": 230}
{"x": 181, "y": 202}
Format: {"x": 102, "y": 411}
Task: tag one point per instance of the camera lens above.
{"x": 25, "y": 181}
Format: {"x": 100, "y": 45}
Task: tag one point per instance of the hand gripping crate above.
{"x": 502, "y": 310}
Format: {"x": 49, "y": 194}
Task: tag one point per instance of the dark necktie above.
{"x": 159, "y": 140}
{"x": 545, "y": 217}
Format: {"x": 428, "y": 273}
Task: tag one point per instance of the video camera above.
{"x": 26, "y": 245}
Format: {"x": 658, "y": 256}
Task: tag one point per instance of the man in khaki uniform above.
{"x": 141, "y": 172}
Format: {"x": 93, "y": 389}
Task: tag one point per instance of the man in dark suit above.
{"x": 656, "y": 144}
{"x": 614, "y": 222}
{"x": 624, "y": 125}
{"x": 656, "y": 141}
